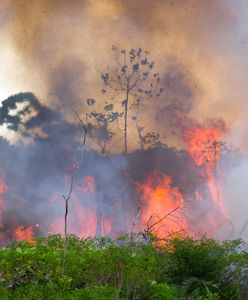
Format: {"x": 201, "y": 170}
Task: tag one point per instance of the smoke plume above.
{"x": 51, "y": 55}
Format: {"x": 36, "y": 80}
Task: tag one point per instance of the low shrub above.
{"x": 101, "y": 268}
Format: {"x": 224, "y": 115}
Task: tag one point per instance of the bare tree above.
{"x": 136, "y": 220}
{"x": 211, "y": 154}
{"x": 75, "y": 170}
{"x": 131, "y": 79}
{"x": 140, "y": 130}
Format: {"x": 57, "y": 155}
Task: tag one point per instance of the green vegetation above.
{"x": 102, "y": 268}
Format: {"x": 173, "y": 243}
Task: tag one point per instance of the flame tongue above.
{"x": 160, "y": 199}
{"x": 24, "y": 234}
{"x": 204, "y": 147}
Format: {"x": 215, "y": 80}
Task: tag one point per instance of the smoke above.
{"x": 235, "y": 193}
{"x": 62, "y": 42}
{"x": 55, "y": 48}
{"x": 58, "y": 48}
{"x": 36, "y": 174}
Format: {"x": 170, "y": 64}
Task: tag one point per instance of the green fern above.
{"x": 194, "y": 287}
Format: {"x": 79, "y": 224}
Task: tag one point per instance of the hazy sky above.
{"x": 54, "y": 48}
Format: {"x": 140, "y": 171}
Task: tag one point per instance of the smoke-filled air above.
{"x": 123, "y": 116}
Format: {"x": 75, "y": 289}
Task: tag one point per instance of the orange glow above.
{"x": 57, "y": 226}
{"x": 107, "y": 226}
{"x": 3, "y": 189}
{"x": 160, "y": 198}
{"x": 82, "y": 220}
{"x": 205, "y": 148}
{"x": 88, "y": 185}
{"x": 24, "y": 234}
{"x": 198, "y": 196}
{"x": 202, "y": 145}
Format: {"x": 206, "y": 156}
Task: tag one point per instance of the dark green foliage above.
{"x": 194, "y": 287}
{"x": 205, "y": 267}
{"x": 163, "y": 291}
{"x": 204, "y": 259}
{"x": 119, "y": 269}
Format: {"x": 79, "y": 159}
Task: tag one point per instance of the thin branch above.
{"x": 74, "y": 172}
{"x": 160, "y": 220}
{"x": 136, "y": 220}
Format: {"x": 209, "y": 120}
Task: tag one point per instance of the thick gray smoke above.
{"x": 236, "y": 190}
{"x": 36, "y": 174}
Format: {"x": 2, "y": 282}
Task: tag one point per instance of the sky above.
{"x": 56, "y": 49}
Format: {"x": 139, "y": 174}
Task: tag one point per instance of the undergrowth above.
{"x": 102, "y": 268}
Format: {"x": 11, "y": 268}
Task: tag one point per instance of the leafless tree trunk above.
{"x": 136, "y": 220}
{"x": 126, "y": 116}
{"x": 243, "y": 228}
{"x": 71, "y": 184}
{"x": 215, "y": 174}
{"x": 99, "y": 216}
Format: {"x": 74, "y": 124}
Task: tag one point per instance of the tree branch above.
{"x": 74, "y": 172}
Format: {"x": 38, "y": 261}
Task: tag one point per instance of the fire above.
{"x": 3, "y": 189}
{"x": 161, "y": 204}
{"x": 24, "y": 234}
{"x": 106, "y": 226}
{"x": 204, "y": 145}
{"x": 205, "y": 148}
{"x": 82, "y": 218}
{"x": 81, "y": 221}
{"x": 88, "y": 185}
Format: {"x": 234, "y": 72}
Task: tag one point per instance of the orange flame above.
{"x": 205, "y": 148}
{"x": 24, "y": 234}
{"x": 84, "y": 223}
{"x": 82, "y": 220}
{"x": 160, "y": 200}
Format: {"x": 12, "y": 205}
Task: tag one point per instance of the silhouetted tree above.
{"x": 102, "y": 117}
{"x": 131, "y": 78}
{"x": 126, "y": 82}
{"x": 148, "y": 139}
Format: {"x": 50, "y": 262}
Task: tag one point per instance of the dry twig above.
{"x": 77, "y": 165}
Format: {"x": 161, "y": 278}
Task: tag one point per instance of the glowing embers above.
{"x": 161, "y": 211}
